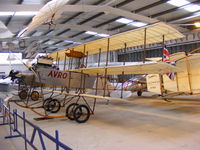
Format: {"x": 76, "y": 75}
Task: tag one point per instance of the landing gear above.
{"x": 23, "y": 94}
{"x": 70, "y": 110}
{"x": 45, "y": 104}
{"x": 81, "y": 113}
{"x": 35, "y": 95}
{"x": 51, "y": 105}
{"x": 139, "y": 93}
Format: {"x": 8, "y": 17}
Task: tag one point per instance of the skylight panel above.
{"x": 26, "y": 13}
{"x": 103, "y": 35}
{"x": 97, "y": 34}
{"x": 32, "y": 2}
{"x": 91, "y": 32}
{"x": 18, "y": 13}
{"x": 192, "y": 7}
{"x": 178, "y": 3}
{"x": 124, "y": 20}
{"x": 68, "y": 41}
{"x": 6, "y": 13}
{"x": 138, "y": 24}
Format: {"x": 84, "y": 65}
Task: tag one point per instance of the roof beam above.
{"x": 62, "y": 32}
{"x": 150, "y": 6}
{"x": 173, "y": 9}
{"x": 10, "y": 18}
{"x": 40, "y": 38}
{"x": 72, "y": 36}
{"x": 188, "y": 17}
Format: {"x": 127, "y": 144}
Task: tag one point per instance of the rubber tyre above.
{"x": 35, "y": 95}
{"x": 139, "y": 93}
{"x": 70, "y": 110}
{"x": 54, "y": 106}
{"x": 46, "y": 104}
{"x": 23, "y": 94}
{"x": 81, "y": 111}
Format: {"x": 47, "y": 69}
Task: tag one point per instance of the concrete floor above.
{"x": 144, "y": 123}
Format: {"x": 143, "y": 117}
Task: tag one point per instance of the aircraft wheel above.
{"x": 70, "y": 110}
{"x": 35, "y": 95}
{"x": 46, "y": 104}
{"x": 81, "y": 113}
{"x": 54, "y": 106}
{"x": 23, "y": 94}
{"x": 139, "y": 93}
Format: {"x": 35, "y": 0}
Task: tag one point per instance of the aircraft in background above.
{"x": 47, "y": 14}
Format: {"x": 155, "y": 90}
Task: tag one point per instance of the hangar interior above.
{"x": 139, "y": 122}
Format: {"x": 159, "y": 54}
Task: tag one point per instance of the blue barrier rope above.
{"x": 14, "y": 128}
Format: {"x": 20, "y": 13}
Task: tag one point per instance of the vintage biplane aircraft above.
{"x": 47, "y": 14}
{"x": 76, "y": 84}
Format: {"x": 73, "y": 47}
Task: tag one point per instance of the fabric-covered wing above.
{"x": 154, "y": 34}
{"x": 140, "y": 68}
{"x": 45, "y": 14}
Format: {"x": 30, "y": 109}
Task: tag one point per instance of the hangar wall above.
{"x": 6, "y": 68}
{"x": 190, "y": 42}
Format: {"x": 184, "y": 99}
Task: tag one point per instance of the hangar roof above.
{"x": 87, "y": 20}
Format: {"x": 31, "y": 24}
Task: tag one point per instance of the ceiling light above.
{"x": 138, "y": 24}
{"x": 91, "y": 32}
{"x": 197, "y": 24}
{"x": 19, "y": 13}
{"x": 124, "y": 20}
{"x": 178, "y": 3}
{"x": 6, "y": 13}
{"x": 32, "y": 2}
{"x": 192, "y": 7}
{"x": 103, "y": 35}
{"x": 26, "y": 13}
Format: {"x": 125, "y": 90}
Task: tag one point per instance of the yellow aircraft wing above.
{"x": 139, "y": 68}
{"x": 86, "y": 95}
{"x": 154, "y": 34}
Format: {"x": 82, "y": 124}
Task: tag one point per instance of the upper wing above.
{"x": 46, "y": 13}
{"x": 154, "y": 34}
{"x": 140, "y": 68}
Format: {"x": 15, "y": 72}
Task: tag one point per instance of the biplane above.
{"x": 76, "y": 80}
{"x": 47, "y": 14}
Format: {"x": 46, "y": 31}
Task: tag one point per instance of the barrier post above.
{"x": 9, "y": 119}
{"x": 57, "y": 139}
{"x": 24, "y": 121}
{"x": 3, "y": 115}
{"x": 15, "y": 120}
{"x": 8, "y": 115}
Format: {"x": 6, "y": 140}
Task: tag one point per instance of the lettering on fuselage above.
{"x": 57, "y": 74}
